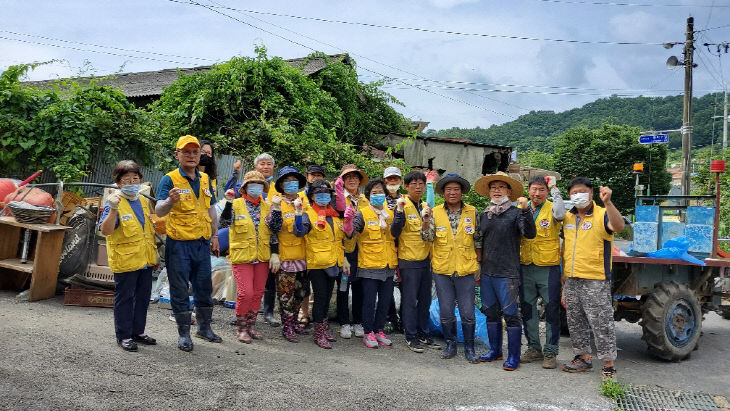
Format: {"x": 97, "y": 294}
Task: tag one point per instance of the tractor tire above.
{"x": 671, "y": 321}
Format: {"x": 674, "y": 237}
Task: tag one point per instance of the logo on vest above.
{"x": 241, "y": 217}
{"x": 207, "y": 192}
{"x": 440, "y": 228}
{"x": 544, "y": 223}
{"x": 467, "y": 220}
{"x": 586, "y": 225}
{"x": 185, "y": 191}
{"x": 469, "y": 229}
{"x": 125, "y": 217}
{"x": 373, "y": 223}
{"x": 569, "y": 227}
{"x": 412, "y": 216}
{"x": 288, "y": 215}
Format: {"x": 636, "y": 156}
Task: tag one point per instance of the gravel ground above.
{"x": 58, "y": 357}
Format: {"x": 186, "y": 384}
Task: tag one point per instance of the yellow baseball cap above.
{"x": 185, "y": 140}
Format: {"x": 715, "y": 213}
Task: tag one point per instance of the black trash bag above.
{"x": 77, "y": 243}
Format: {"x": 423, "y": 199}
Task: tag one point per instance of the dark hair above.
{"x": 372, "y": 183}
{"x": 414, "y": 175}
{"x": 319, "y": 185}
{"x": 580, "y": 180}
{"x": 537, "y": 180}
{"x": 123, "y": 167}
{"x": 211, "y": 171}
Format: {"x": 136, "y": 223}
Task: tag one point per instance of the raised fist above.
{"x": 174, "y": 195}
{"x": 339, "y": 185}
{"x": 349, "y": 213}
{"x": 276, "y": 200}
{"x": 431, "y": 176}
{"x": 230, "y": 194}
{"x": 113, "y": 201}
{"x": 605, "y": 194}
{"x": 426, "y": 213}
{"x": 523, "y": 202}
{"x": 298, "y": 208}
{"x": 400, "y": 203}
{"x": 550, "y": 180}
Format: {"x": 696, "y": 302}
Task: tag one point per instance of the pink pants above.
{"x": 250, "y": 281}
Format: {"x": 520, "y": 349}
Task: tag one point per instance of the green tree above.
{"x": 606, "y": 156}
{"x": 251, "y": 105}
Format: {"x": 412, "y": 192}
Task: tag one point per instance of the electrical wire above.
{"x": 437, "y": 31}
{"x": 612, "y": 3}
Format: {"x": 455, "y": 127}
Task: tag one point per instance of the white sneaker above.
{"x": 346, "y": 331}
{"x": 359, "y": 331}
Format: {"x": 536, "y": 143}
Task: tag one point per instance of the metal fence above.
{"x": 100, "y": 172}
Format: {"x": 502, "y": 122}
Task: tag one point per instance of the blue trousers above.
{"x": 452, "y": 289}
{"x": 500, "y": 297}
{"x": 373, "y": 317}
{"x": 188, "y": 262}
{"x": 415, "y": 301}
{"x": 131, "y": 298}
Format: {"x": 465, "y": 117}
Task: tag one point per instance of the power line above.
{"x": 106, "y": 47}
{"x": 612, "y": 3}
{"x": 91, "y": 51}
{"x": 555, "y": 93}
{"x": 437, "y": 31}
{"x": 365, "y": 57}
{"x": 191, "y": 2}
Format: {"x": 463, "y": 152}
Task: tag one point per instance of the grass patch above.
{"x": 613, "y": 389}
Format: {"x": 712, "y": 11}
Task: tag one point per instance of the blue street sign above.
{"x": 652, "y": 139}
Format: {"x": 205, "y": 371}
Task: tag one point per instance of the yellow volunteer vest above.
{"x": 454, "y": 254}
{"x": 544, "y": 249}
{"x": 376, "y": 246}
{"x": 362, "y": 202}
{"x": 188, "y": 219}
{"x": 324, "y": 244}
{"x": 247, "y": 244}
{"x": 291, "y": 247}
{"x": 587, "y": 246}
{"x": 410, "y": 245}
{"x": 131, "y": 246}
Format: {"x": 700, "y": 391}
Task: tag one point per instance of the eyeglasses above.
{"x": 135, "y": 180}
{"x": 188, "y": 153}
{"x": 494, "y": 188}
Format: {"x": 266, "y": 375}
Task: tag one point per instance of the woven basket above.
{"x": 30, "y": 214}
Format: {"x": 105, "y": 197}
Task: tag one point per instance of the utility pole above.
{"x": 725, "y": 120}
{"x": 687, "y": 111}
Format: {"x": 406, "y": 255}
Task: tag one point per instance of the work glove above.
{"x": 347, "y": 224}
{"x": 400, "y": 203}
{"x": 346, "y": 267}
{"x": 274, "y": 263}
{"x": 276, "y": 202}
{"x": 298, "y": 207}
{"x": 426, "y": 213}
{"x": 113, "y": 201}
{"x": 340, "y": 202}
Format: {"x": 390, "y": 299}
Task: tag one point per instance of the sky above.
{"x": 453, "y": 63}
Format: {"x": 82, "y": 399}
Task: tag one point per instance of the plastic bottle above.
{"x": 343, "y": 282}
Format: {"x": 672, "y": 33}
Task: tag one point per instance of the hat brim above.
{"x": 465, "y": 186}
{"x": 482, "y": 185}
{"x": 302, "y": 181}
{"x": 363, "y": 178}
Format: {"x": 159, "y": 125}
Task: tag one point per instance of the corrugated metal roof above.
{"x": 152, "y": 83}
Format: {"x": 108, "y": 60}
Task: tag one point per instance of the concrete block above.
{"x": 700, "y": 238}
{"x": 701, "y": 215}
{"x": 669, "y": 230}
{"x": 645, "y": 237}
{"x": 649, "y": 214}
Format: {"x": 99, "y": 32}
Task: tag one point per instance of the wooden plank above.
{"x": 711, "y": 262}
{"x": 37, "y": 227}
{"x": 15, "y": 264}
{"x": 9, "y": 238}
{"x": 47, "y": 261}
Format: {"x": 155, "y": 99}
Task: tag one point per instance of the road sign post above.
{"x": 654, "y": 139}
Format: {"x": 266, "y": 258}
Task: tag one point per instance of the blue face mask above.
{"x": 322, "y": 199}
{"x": 377, "y": 199}
{"x": 291, "y": 187}
{"x": 254, "y": 189}
{"x": 131, "y": 189}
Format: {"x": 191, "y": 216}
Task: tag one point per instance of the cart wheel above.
{"x": 671, "y": 321}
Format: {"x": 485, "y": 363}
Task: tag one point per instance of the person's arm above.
{"x": 274, "y": 220}
{"x": 302, "y": 225}
{"x": 616, "y": 221}
{"x": 358, "y": 224}
{"x": 231, "y": 183}
{"x": 526, "y": 223}
{"x": 167, "y": 196}
{"x": 478, "y": 234}
{"x": 558, "y": 204}
{"x": 399, "y": 219}
{"x": 340, "y": 202}
{"x": 430, "y": 178}
{"x": 226, "y": 218}
{"x": 214, "y": 247}
{"x": 428, "y": 231}
{"x": 109, "y": 216}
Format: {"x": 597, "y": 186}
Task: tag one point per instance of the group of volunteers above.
{"x": 292, "y": 234}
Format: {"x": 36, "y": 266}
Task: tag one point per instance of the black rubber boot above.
{"x": 183, "y": 330}
{"x": 268, "y": 308}
{"x": 468, "y": 329}
{"x": 205, "y": 315}
{"x": 449, "y": 330}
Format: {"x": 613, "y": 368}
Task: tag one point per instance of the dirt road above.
{"x": 57, "y": 357}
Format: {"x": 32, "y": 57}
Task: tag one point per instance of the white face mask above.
{"x": 500, "y": 201}
{"x": 580, "y": 200}
{"x": 393, "y": 188}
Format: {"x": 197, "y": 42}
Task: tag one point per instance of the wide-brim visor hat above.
{"x": 253, "y": 176}
{"x": 185, "y": 140}
{"x": 482, "y": 185}
{"x": 452, "y": 178}
{"x": 350, "y": 168}
{"x": 286, "y": 172}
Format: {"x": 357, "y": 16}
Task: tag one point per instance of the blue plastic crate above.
{"x": 648, "y": 214}
{"x": 701, "y": 215}
{"x": 700, "y": 238}
{"x": 645, "y": 237}
{"x": 669, "y": 230}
